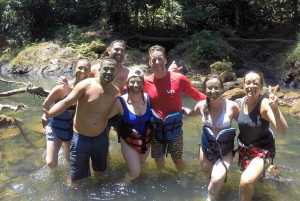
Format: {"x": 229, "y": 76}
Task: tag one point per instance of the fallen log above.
{"x": 30, "y": 88}
{"x": 15, "y": 108}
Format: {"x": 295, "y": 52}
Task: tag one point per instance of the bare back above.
{"x": 93, "y": 108}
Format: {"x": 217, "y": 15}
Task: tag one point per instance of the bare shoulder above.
{"x": 231, "y": 104}
{"x": 60, "y": 89}
{"x": 114, "y": 90}
{"x": 124, "y": 71}
{"x": 86, "y": 83}
{"x": 265, "y": 103}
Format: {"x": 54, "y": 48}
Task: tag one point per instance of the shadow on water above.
{"x": 24, "y": 175}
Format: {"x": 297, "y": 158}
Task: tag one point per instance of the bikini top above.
{"x": 222, "y": 123}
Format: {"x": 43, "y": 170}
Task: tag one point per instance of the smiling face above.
{"x": 117, "y": 51}
{"x": 213, "y": 88}
{"x": 252, "y": 84}
{"x": 82, "y": 69}
{"x": 107, "y": 70}
{"x": 135, "y": 85}
{"x": 157, "y": 61}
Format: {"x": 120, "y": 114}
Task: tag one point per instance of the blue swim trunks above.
{"x": 82, "y": 149}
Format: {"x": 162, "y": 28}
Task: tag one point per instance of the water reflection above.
{"x": 24, "y": 175}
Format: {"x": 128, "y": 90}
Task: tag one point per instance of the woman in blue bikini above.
{"x": 216, "y": 150}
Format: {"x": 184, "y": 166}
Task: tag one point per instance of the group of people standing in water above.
{"x": 147, "y": 111}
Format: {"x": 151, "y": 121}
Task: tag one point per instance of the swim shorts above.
{"x": 50, "y": 135}
{"x": 84, "y": 147}
{"x": 174, "y": 147}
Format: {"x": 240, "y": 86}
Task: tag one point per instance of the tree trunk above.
{"x": 237, "y": 20}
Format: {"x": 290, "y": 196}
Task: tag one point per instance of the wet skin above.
{"x": 213, "y": 89}
{"x": 135, "y": 85}
{"x": 107, "y": 71}
{"x": 252, "y": 84}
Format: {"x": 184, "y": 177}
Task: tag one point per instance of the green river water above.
{"x": 25, "y": 176}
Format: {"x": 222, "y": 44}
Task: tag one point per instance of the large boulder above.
{"x": 234, "y": 94}
{"x": 224, "y": 70}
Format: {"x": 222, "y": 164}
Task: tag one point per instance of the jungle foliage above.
{"x": 24, "y": 22}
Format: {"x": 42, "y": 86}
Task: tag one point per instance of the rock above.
{"x": 5, "y": 120}
{"x": 224, "y": 70}
{"x": 234, "y": 94}
{"x": 295, "y": 109}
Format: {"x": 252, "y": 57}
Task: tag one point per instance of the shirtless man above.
{"x": 116, "y": 51}
{"x": 95, "y": 97}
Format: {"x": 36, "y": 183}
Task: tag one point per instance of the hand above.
{"x": 44, "y": 120}
{"x": 174, "y": 68}
{"x": 62, "y": 80}
{"x": 273, "y": 98}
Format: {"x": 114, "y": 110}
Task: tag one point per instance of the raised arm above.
{"x": 94, "y": 70}
{"x": 272, "y": 113}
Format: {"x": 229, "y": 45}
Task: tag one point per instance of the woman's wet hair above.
{"x": 207, "y": 105}
{"x": 135, "y": 72}
{"x": 261, "y": 77}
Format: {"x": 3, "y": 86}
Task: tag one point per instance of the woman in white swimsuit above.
{"x": 218, "y": 137}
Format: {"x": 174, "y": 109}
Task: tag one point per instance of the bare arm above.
{"x": 58, "y": 92}
{"x": 62, "y": 105}
{"x": 94, "y": 70}
{"x": 235, "y": 110}
{"x": 273, "y": 113}
{"x": 192, "y": 113}
{"x": 116, "y": 109}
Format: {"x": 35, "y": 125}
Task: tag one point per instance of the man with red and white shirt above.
{"x": 165, "y": 90}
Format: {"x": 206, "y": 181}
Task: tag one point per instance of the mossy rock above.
{"x": 97, "y": 47}
{"x": 234, "y": 94}
{"x": 224, "y": 70}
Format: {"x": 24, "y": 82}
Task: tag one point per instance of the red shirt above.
{"x": 165, "y": 93}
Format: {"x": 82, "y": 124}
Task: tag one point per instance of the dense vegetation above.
{"x": 27, "y": 21}
{"x": 144, "y": 22}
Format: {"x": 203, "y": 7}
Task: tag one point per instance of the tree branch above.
{"x": 39, "y": 91}
{"x": 15, "y": 108}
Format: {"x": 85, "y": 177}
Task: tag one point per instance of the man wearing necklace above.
{"x": 95, "y": 97}
{"x": 256, "y": 144}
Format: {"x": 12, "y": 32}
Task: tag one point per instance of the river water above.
{"x": 24, "y": 175}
